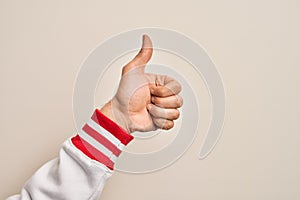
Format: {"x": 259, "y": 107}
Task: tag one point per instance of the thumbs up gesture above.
{"x": 144, "y": 102}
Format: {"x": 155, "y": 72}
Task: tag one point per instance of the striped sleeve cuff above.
{"x": 101, "y": 139}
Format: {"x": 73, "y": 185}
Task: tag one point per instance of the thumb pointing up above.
{"x": 144, "y": 101}
{"x": 142, "y": 58}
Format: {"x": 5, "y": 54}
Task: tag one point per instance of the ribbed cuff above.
{"x": 101, "y": 139}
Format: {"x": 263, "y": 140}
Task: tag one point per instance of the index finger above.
{"x": 170, "y": 87}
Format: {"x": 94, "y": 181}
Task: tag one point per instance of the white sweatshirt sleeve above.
{"x": 84, "y": 164}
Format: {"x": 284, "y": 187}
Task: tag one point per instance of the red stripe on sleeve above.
{"x": 101, "y": 139}
{"x": 111, "y": 127}
{"x": 91, "y": 151}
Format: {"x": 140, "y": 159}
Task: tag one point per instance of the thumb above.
{"x": 142, "y": 58}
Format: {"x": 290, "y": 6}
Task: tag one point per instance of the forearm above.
{"x": 84, "y": 164}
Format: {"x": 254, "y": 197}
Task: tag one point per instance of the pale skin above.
{"x": 144, "y": 102}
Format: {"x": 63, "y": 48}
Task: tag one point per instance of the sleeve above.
{"x": 84, "y": 164}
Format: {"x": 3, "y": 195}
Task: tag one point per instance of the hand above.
{"x": 144, "y": 102}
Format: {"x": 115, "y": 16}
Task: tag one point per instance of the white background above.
{"x": 255, "y": 45}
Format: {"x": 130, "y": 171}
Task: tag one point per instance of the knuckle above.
{"x": 155, "y": 111}
{"x": 170, "y": 91}
{"x": 154, "y": 100}
{"x": 151, "y": 109}
{"x": 156, "y": 122}
{"x": 145, "y": 51}
{"x": 145, "y": 54}
{"x": 179, "y": 101}
{"x": 179, "y": 87}
{"x": 160, "y": 91}
{"x": 176, "y": 114}
{"x": 163, "y": 91}
{"x": 158, "y": 101}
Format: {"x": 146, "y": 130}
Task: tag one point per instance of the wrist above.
{"x": 115, "y": 115}
{"x": 102, "y": 138}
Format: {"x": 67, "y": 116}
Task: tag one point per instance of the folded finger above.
{"x": 163, "y": 123}
{"x": 158, "y": 112}
{"x": 174, "y": 101}
{"x": 168, "y": 88}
